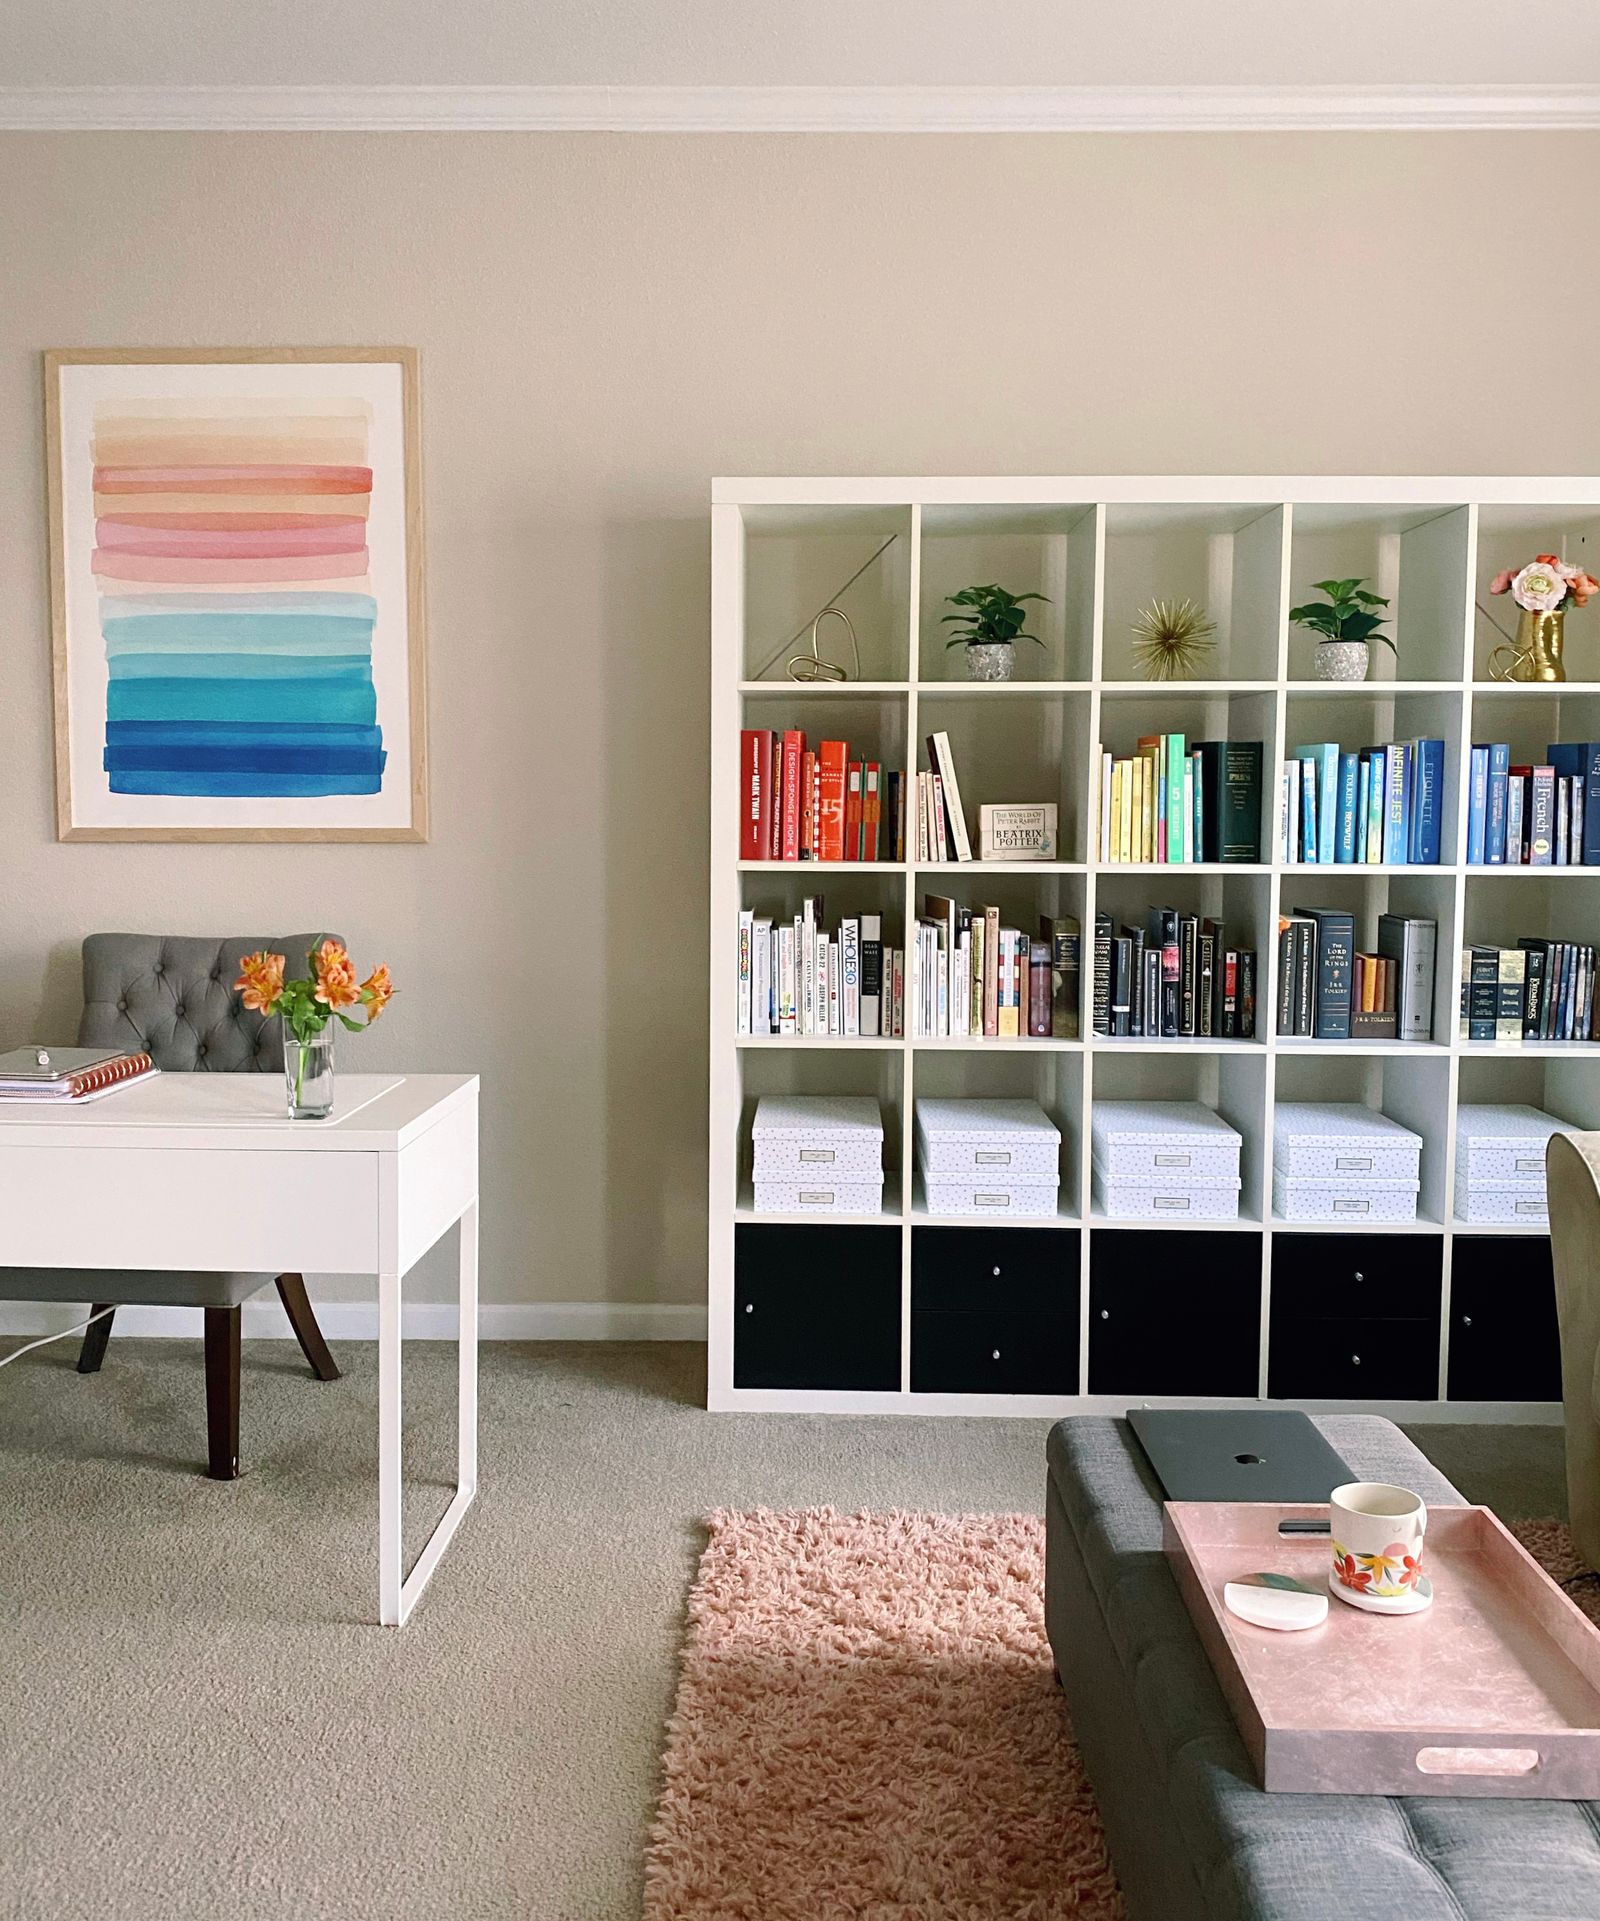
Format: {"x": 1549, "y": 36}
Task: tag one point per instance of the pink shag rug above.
{"x": 867, "y": 1725}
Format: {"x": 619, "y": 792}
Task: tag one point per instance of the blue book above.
{"x": 1426, "y": 813}
{"x": 1308, "y": 812}
{"x": 1363, "y": 806}
{"x": 1375, "y": 800}
{"x": 1494, "y": 831}
{"x": 1397, "y": 789}
{"x": 1582, "y": 757}
{"x": 1477, "y": 804}
{"x": 1349, "y": 783}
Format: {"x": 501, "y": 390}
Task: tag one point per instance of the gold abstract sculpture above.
{"x": 1171, "y": 639}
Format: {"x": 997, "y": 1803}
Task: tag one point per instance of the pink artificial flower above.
{"x": 1539, "y": 587}
{"x": 1501, "y": 583}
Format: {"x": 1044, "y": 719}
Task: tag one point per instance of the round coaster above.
{"x": 1420, "y": 1597}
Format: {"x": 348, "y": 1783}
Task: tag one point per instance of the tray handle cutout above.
{"x": 1477, "y": 1760}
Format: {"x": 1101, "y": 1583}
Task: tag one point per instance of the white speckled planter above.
{"x": 1340, "y": 660}
{"x": 991, "y": 660}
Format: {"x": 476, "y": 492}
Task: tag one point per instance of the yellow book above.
{"x": 1125, "y": 815}
{"x": 1150, "y": 755}
{"x": 1113, "y": 851}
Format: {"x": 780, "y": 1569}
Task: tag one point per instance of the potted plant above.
{"x": 1544, "y": 589}
{"x": 1343, "y": 624}
{"x": 307, "y": 1007}
{"x": 990, "y": 624}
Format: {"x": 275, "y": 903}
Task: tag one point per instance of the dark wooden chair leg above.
{"x": 95, "y": 1338}
{"x": 222, "y": 1392}
{"x": 297, "y": 1305}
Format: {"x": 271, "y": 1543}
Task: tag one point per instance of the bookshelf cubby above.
{"x": 1085, "y": 1313}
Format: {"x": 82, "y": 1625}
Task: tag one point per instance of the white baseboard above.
{"x": 264, "y": 1319}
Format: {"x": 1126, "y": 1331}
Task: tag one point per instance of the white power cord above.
{"x": 44, "y": 1340}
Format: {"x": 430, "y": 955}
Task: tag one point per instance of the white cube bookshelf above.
{"x": 1100, "y": 548}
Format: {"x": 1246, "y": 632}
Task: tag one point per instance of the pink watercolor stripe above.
{"x": 125, "y": 566}
{"x": 242, "y": 480}
{"x": 236, "y": 544}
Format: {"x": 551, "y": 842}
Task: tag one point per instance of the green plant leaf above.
{"x": 1370, "y": 600}
{"x": 354, "y": 1026}
{"x": 1358, "y": 626}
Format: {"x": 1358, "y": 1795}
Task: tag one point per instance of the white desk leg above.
{"x": 390, "y": 1570}
{"x": 467, "y": 1358}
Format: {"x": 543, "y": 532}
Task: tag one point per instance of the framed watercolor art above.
{"x": 236, "y": 580}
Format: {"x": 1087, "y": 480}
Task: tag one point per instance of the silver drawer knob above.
{"x": 1359, "y": 1275}
{"x": 996, "y": 1272}
{"x": 995, "y": 1355}
{"x": 749, "y": 1307}
{"x": 1466, "y": 1320}
{"x": 1355, "y": 1360}
{"x": 1105, "y": 1314}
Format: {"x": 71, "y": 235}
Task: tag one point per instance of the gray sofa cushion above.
{"x": 1286, "y": 1857}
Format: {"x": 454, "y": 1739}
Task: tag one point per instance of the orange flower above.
{"x": 377, "y": 990}
{"x": 260, "y": 981}
{"x": 335, "y": 976}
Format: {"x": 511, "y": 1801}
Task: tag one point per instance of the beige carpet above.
{"x": 196, "y": 1721}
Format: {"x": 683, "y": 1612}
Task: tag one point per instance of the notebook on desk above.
{"x": 1238, "y": 1454}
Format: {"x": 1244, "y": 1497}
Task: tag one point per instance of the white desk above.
{"x": 206, "y": 1171}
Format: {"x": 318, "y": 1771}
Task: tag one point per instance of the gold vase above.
{"x": 1540, "y": 638}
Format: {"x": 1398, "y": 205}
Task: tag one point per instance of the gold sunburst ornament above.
{"x": 1172, "y": 639}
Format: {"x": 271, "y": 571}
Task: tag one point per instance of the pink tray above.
{"x": 1494, "y": 1690}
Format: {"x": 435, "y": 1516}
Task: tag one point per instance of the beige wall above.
{"x": 605, "y": 323}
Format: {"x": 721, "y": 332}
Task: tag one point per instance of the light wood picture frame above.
{"x": 237, "y": 610}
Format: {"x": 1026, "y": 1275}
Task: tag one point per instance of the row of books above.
{"x": 1539, "y": 990}
{"x": 1544, "y": 816}
{"x": 1174, "y": 805}
{"x": 1174, "y": 978}
{"x": 1330, "y": 990}
{"x": 971, "y": 977}
{"x": 798, "y": 802}
{"x": 803, "y": 977}
{"x": 1382, "y": 806}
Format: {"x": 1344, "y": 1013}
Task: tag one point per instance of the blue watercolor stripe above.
{"x": 131, "y": 606}
{"x": 212, "y": 633}
{"x": 200, "y": 733}
{"x": 172, "y": 698}
{"x": 355, "y": 640}
{"x": 241, "y": 666}
{"x": 245, "y": 760}
{"x": 224, "y": 786}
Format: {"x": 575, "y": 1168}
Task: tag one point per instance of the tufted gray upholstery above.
{"x": 173, "y": 995}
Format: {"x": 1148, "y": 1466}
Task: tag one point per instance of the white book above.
{"x": 787, "y": 1023}
{"x": 961, "y": 998}
{"x": 872, "y": 1004}
{"x": 742, "y": 1015}
{"x": 1562, "y": 804}
{"x": 1514, "y": 788}
{"x": 835, "y": 999}
{"x": 805, "y": 960}
{"x": 924, "y": 820}
{"x": 952, "y": 796}
{"x": 897, "y": 992}
{"x": 1289, "y": 827}
{"x": 1191, "y": 841}
{"x": 941, "y": 845}
{"x": 761, "y": 978}
{"x": 850, "y": 977}
{"x": 1106, "y": 849}
{"x": 941, "y": 1017}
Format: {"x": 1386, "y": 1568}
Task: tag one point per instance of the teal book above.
{"x": 1176, "y": 809}
{"x": 1349, "y": 788}
{"x": 1325, "y": 755}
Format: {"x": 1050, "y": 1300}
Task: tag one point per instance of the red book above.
{"x": 831, "y": 764}
{"x": 808, "y": 805}
{"x": 755, "y": 792}
{"x": 794, "y": 747}
{"x": 852, "y": 813}
{"x": 775, "y": 790}
{"x": 871, "y": 809}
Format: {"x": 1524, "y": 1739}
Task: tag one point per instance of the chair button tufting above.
{"x": 178, "y": 1010}
{"x": 202, "y": 1050}
{"x": 216, "y": 973}
{"x": 122, "y": 1007}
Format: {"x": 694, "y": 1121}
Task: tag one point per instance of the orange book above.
{"x": 808, "y": 805}
{"x": 831, "y": 778}
{"x": 852, "y": 812}
{"x": 871, "y": 809}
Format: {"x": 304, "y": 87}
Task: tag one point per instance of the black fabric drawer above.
{"x": 1505, "y": 1342}
{"x": 1174, "y": 1313}
{"x": 983, "y": 1267}
{"x": 816, "y": 1306}
{"x": 1350, "y": 1357}
{"x": 1397, "y": 1276}
{"x": 992, "y": 1351}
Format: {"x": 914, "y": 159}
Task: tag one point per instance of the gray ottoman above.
{"x": 1192, "y": 1837}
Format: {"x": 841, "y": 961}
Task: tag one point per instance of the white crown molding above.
{"x": 1196, "y": 109}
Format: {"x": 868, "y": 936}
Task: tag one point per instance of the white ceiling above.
{"x": 1350, "y": 46}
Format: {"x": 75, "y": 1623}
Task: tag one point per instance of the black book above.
{"x": 1164, "y": 939}
{"x": 1285, "y": 977}
{"x": 1247, "y": 994}
{"x": 1101, "y": 1007}
{"x": 1188, "y": 972}
{"x": 1121, "y": 984}
{"x": 1219, "y": 944}
{"x": 1305, "y": 978}
{"x": 1228, "y": 1028}
{"x": 1135, "y": 935}
{"x": 1335, "y": 970}
{"x": 1152, "y": 992}
{"x": 1483, "y": 993}
{"x": 1205, "y": 985}
{"x": 1533, "y": 1010}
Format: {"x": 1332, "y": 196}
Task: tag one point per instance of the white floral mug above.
{"x": 1377, "y": 1539}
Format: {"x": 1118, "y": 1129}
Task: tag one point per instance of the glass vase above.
{"x": 308, "y": 1075}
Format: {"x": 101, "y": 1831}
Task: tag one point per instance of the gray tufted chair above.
{"x": 173, "y": 996}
